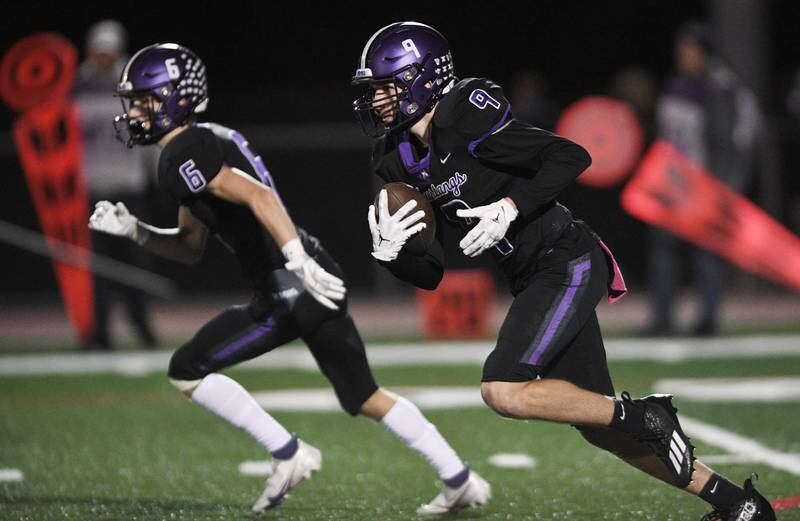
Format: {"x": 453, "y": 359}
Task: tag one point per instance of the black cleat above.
{"x": 754, "y": 507}
{"x": 662, "y": 432}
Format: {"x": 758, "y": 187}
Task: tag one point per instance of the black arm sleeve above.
{"x": 545, "y": 163}
{"x": 423, "y": 271}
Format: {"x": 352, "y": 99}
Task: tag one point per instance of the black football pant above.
{"x": 280, "y": 312}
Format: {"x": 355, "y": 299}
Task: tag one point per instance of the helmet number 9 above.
{"x": 409, "y": 46}
{"x": 173, "y": 71}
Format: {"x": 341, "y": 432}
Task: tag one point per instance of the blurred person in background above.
{"x": 791, "y": 136}
{"x": 637, "y": 87}
{"x": 530, "y": 101}
{"x": 707, "y": 114}
{"x": 112, "y": 171}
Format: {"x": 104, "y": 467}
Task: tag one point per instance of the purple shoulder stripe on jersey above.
{"x": 557, "y": 319}
{"x": 474, "y": 144}
{"x": 255, "y": 161}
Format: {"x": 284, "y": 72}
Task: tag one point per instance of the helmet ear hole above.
{"x": 410, "y": 74}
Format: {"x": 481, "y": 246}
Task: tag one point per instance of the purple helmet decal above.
{"x": 415, "y": 60}
{"x": 168, "y": 81}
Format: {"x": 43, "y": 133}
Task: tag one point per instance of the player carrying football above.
{"x": 498, "y": 178}
{"x": 223, "y": 187}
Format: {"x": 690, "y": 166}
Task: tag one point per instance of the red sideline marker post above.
{"x": 36, "y": 76}
{"x": 672, "y": 192}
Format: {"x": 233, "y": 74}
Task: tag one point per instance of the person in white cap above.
{"x": 113, "y": 172}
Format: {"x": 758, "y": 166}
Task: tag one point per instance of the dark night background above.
{"x": 276, "y": 63}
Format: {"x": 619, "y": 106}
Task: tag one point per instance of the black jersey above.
{"x": 190, "y": 161}
{"x": 477, "y": 154}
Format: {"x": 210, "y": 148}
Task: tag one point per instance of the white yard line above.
{"x": 11, "y": 475}
{"x": 408, "y": 354}
{"x": 512, "y": 460}
{"x": 741, "y": 448}
{"x": 739, "y": 445}
{"x": 324, "y": 400}
{"x": 728, "y": 459}
{"x": 750, "y": 389}
{"x": 260, "y": 468}
{"x": 263, "y": 468}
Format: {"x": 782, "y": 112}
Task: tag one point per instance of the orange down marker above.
{"x": 671, "y": 191}
{"x": 35, "y": 78}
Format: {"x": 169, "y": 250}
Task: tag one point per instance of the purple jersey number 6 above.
{"x": 193, "y": 177}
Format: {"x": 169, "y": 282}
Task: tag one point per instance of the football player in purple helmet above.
{"x": 222, "y": 186}
{"x": 498, "y": 178}
{"x": 164, "y": 86}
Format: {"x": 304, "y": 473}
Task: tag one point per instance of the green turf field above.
{"x": 105, "y": 447}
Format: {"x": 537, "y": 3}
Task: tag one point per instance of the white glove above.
{"x": 494, "y": 221}
{"x": 390, "y": 232}
{"x": 322, "y": 285}
{"x": 117, "y": 220}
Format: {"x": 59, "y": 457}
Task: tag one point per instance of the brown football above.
{"x": 399, "y": 194}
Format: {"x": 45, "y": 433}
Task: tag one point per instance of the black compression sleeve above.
{"x": 423, "y": 271}
{"x": 545, "y": 163}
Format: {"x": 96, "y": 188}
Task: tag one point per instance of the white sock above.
{"x": 405, "y": 421}
{"x": 231, "y": 402}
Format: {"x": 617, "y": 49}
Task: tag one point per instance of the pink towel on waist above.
{"x": 616, "y": 285}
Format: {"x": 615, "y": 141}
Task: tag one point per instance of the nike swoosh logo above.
{"x": 622, "y": 416}
{"x": 714, "y": 488}
{"x": 392, "y": 59}
{"x": 444, "y": 159}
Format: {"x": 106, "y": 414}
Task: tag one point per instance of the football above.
{"x": 399, "y": 194}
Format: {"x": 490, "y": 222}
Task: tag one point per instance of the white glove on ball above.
{"x": 390, "y": 232}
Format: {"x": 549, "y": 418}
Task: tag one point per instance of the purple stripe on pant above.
{"x": 555, "y": 321}
{"x": 244, "y": 341}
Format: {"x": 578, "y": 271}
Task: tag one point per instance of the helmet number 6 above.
{"x": 173, "y": 71}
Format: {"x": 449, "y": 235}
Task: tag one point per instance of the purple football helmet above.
{"x": 167, "y": 82}
{"x": 413, "y": 57}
